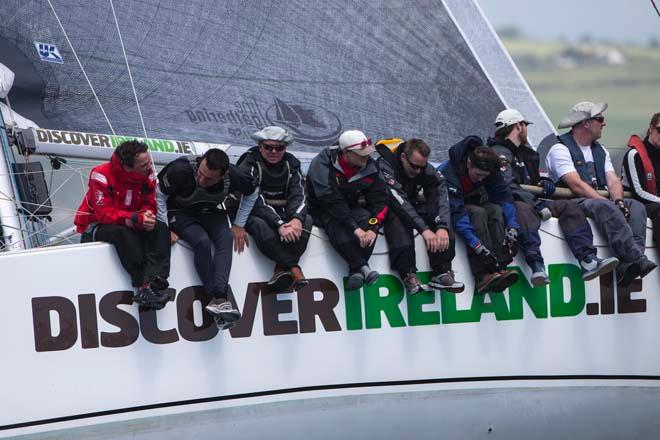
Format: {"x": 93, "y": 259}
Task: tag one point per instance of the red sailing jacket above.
{"x": 649, "y": 173}
{"x": 116, "y": 196}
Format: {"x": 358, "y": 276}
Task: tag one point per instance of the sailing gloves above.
{"x": 511, "y": 241}
{"x": 549, "y": 187}
{"x": 486, "y": 258}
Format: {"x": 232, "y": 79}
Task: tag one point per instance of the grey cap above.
{"x": 581, "y": 112}
{"x": 272, "y": 133}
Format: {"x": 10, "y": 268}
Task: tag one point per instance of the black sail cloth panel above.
{"x": 216, "y": 71}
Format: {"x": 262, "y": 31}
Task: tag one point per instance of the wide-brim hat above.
{"x": 581, "y": 112}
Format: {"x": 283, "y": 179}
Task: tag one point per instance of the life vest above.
{"x": 274, "y": 180}
{"x": 599, "y": 181}
{"x": 392, "y": 144}
{"x": 637, "y": 143}
{"x": 200, "y": 200}
{"x": 525, "y": 162}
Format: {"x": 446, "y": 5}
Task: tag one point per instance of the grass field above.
{"x": 632, "y": 90}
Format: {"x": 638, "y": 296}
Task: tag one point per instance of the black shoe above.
{"x": 646, "y": 266}
{"x": 627, "y": 272}
{"x": 149, "y": 299}
{"x": 281, "y": 281}
{"x": 158, "y": 284}
{"x": 222, "y": 324}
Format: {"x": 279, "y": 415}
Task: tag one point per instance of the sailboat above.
{"x": 568, "y": 360}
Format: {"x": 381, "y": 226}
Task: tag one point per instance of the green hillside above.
{"x": 631, "y": 88}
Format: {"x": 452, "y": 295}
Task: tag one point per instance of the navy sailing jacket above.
{"x": 494, "y": 189}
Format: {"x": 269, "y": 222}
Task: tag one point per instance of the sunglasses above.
{"x": 364, "y": 144}
{"x": 600, "y": 119}
{"x": 657, "y": 129}
{"x": 278, "y": 148}
{"x": 414, "y": 166}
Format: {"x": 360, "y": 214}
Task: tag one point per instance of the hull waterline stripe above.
{"x": 327, "y": 387}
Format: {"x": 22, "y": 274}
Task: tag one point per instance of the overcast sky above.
{"x": 620, "y": 21}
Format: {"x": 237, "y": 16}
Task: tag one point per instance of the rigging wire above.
{"x": 28, "y": 234}
{"x": 130, "y": 77}
{"x": 655, "y": 7}
{"x": 128, "y": 68}
{"x": 81, "y": 66}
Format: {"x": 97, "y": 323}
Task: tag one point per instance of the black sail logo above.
{"x": 308, "y": 123}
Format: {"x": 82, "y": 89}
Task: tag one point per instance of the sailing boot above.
{"x": 447, "y": 282}
{"x": 299, "y": 280}
{"x": 281, "y": 281}
{"x": 539, "y": 276}
{"x": 593, "y": 267}
{"x": 507, "y": 279}
{"x": 488, "y": 282}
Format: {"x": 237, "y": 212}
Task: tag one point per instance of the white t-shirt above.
{"x": 558, "y": 162}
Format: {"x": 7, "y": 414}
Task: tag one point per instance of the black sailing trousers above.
{"x": 653, "y": 211}
{"x": 144, "y": 255}
{"x": 211, "y": 240}
{"x": 343, "y": 239}
{"x": 401, "y": 244}
{"x": 488, "y": 222}
{"x": 267, "y": 238}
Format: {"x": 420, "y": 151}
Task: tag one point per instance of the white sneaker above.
{"x": 224, "y": 310}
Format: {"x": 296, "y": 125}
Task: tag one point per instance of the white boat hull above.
{"x": 570, "y": 360}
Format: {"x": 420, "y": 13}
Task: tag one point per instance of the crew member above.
{"x": 521, "y": 167}
{"x": 582, "y": 164}
{"x": 641, "y": 171}
{"x": 120, "y": 208}
{"x": 406, "y": 171}
{"x": 191, "y": 196}
{"x": 281, "y": 232}
{"x": 482, "y": 213}
{"x": 337, "y": 177}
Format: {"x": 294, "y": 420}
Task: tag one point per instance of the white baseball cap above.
{"x": 509, "y": 117}
{"x": 357, "y": 142}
